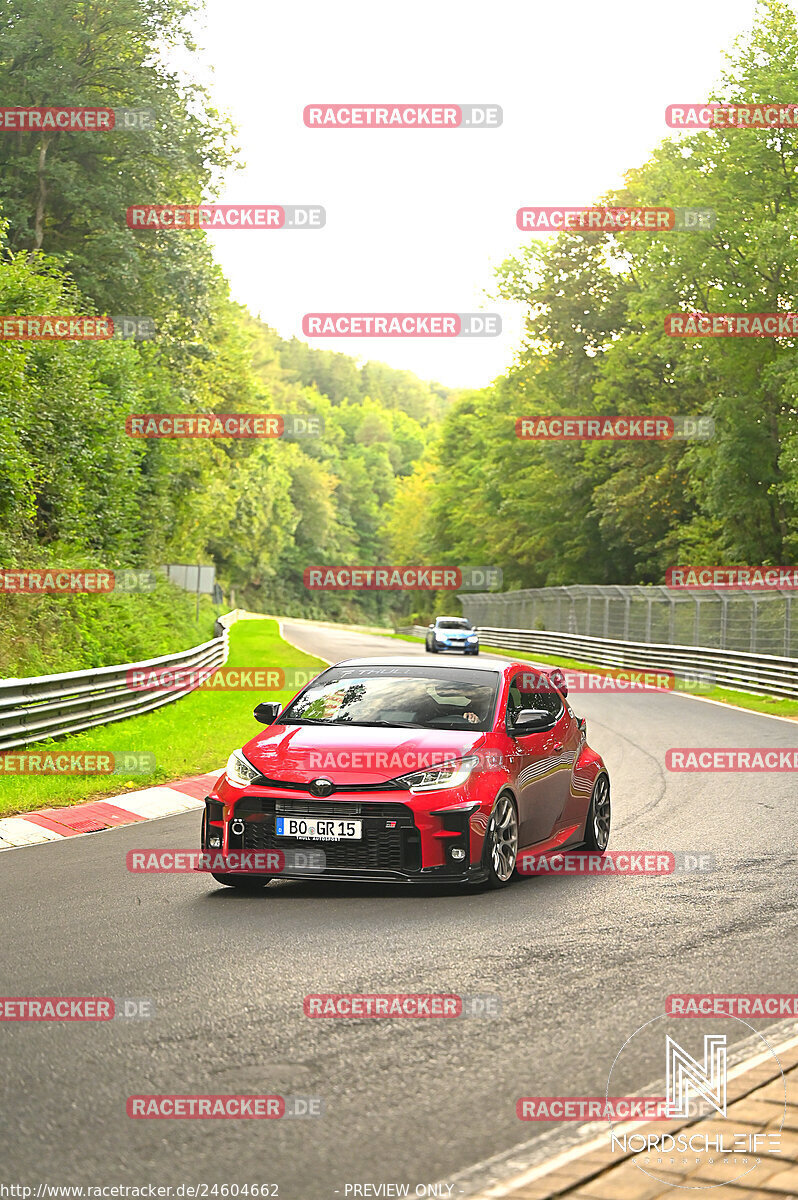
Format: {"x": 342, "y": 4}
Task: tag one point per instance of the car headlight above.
{"x": 239, "y": 772}
{"x": 474, "y": 637}
{"x": 442, "y": 775}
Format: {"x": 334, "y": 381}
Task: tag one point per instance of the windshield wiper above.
{"x": 388, "y": 724}
{"x": 350, "y": 724}
{"x": 308, "y": 721}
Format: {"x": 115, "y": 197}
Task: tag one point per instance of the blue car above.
{"x": 452, "y": 633}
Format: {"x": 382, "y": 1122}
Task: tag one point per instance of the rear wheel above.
{"x": 599, "y": 816}
{"x": 501, "y": 843}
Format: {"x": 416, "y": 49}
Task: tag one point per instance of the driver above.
{"x": 449, "y": 699}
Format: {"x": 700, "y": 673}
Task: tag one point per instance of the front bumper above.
{"x": 396, "y": 840}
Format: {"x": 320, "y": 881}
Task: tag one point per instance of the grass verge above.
{"x": 189, "y": 737}
{"x": 772, "y": 706}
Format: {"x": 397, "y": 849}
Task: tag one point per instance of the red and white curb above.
{"x": 53, "y": 824}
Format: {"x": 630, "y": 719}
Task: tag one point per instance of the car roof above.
{"x": 497, "y": 665}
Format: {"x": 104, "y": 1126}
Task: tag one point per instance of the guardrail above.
{"x": 744, "y": 672}
{"x": 47, "y": 706}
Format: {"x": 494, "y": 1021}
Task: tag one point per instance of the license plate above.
{"x": 320, "y": 829}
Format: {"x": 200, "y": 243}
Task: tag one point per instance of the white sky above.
{"x": 417, "y": 220}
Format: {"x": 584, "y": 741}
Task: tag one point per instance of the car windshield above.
{"x": 418, "y": 697}
{"x": 453, "y": 623}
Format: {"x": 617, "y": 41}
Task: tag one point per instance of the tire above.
{"x": 244, "y": 883}
{"x": 599, "y": 816}
{"x": 500, "y": 864}
{"x": 433, "y": 649}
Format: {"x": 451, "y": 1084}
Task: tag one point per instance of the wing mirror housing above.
{"x": 558, "y": 679}
{"x": 533, "y": 720}
{"x": 267, "y": 712}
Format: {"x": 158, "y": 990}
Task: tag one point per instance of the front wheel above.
{"x": 599, "y": 816}
{"x": 244, "y": 883}
{"x": 501, "y": 843}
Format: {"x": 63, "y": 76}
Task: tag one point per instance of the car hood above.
{"x": 456, "y": 633}
{"x": 300, "y": 753}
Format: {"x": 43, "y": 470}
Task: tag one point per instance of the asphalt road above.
{"x": 576, "y": 963}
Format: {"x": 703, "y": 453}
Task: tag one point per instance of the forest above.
{"x": 402, "y": 471}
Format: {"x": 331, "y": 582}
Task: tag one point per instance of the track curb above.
{"x": 130, "y": 808}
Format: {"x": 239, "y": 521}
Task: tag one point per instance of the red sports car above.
{"x": 398, "y": 770}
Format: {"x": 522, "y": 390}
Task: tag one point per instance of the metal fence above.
{"x": 701, "y": 667}
{"x": 746, "y": 621}
{"x": 48, "y": 706}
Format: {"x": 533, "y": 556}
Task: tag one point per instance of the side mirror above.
{"x": 267, "y": 713}
{"x": 532, "y": 720}
{"x": 430, "y": 627}
{"x": 558, "y": 679}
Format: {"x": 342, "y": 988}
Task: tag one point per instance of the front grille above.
{"x": 379, "y": 849}
{"x": 288, "y": 807}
